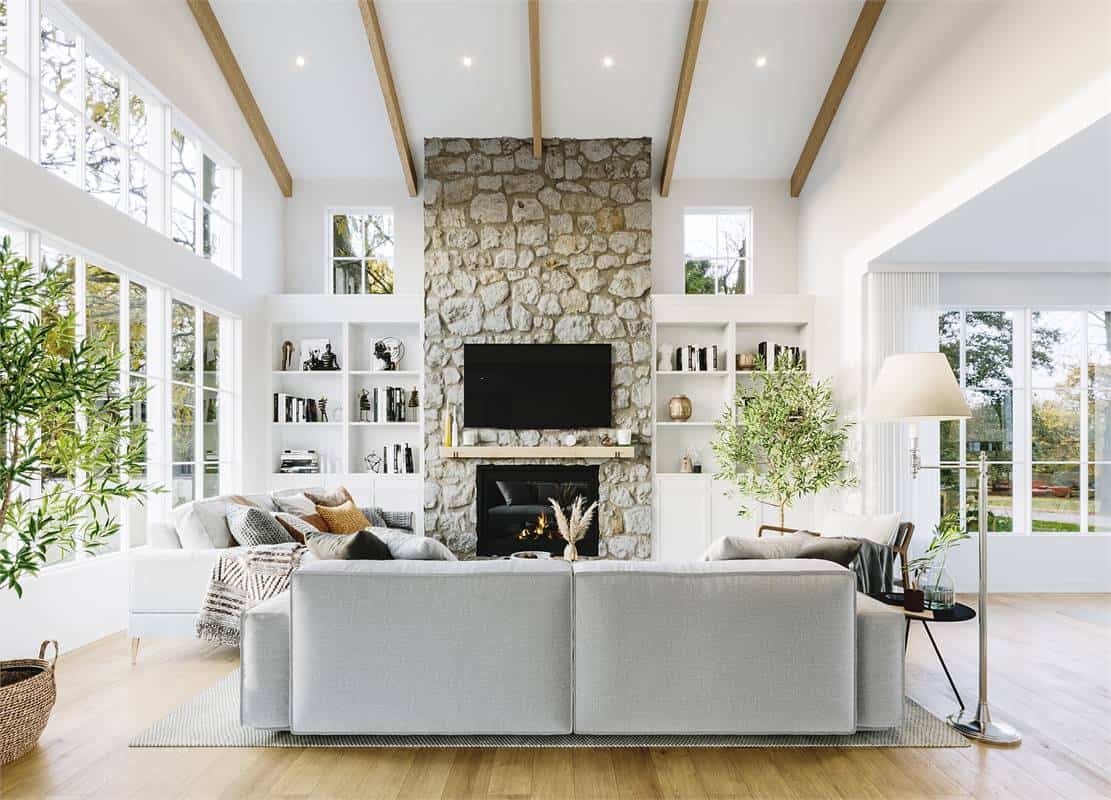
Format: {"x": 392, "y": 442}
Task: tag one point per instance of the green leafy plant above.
{"x": 783, "y": 442}
{"x": 947, "y": 534}
{"x": 68, "y": 449}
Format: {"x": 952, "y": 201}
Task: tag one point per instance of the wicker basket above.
{"x": 26, "y": 697}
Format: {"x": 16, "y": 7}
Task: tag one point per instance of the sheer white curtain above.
{"x": 901, "y": 317}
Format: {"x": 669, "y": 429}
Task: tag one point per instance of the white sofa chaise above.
{"x": 520, "y": 647}
{"x": 168, "y": 579}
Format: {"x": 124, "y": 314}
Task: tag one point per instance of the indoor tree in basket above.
{"x": 783, "y": 442}
{"x": 69, "y": 453}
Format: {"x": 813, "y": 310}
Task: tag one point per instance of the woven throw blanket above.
{"x": 240, "y": 580}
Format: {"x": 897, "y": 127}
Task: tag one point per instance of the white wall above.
{"x": 79, "y": 603}
{"x": 775, "y": 216}
{"x": 775, "y": 238}
{"x": 947, "y": 101}
{"x": 305, "y": 230}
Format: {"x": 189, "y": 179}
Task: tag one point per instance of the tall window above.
{"x": 202, "y": 194}
{"x": 361, "y": 252}
{"x": 717, "y": 250}
{"x": 87, "y": 117}
{"x": 1039, "y": 384}
{"x": 183, "y": 353}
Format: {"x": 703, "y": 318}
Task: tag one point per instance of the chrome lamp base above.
{"x": 979, "y": 726}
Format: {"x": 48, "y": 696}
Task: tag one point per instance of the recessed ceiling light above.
{"x": 607, "y": 62}
{"x": 467, "y": 62}
{"x": 761, "y": 61}
{"x": 300, "y": 62}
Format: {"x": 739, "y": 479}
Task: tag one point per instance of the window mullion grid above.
{"x": 125, "y": 146}
{"x": 82, "y": 94}
{"x": 198, "y": 402}
{"x": 962, "y": 427}
{"x": 1023, "y": 445}
{"x": 1084, "y": 361}
{"x": 125, "y": 388}
{"x": 33, "y": 123}
{"x": 80, "y": 328}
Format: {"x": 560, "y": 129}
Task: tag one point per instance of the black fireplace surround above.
{"x": 514, "y": 512}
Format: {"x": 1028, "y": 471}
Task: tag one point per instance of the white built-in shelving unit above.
{"x": 352, "y": 323}
{"x": 690, "y": 508}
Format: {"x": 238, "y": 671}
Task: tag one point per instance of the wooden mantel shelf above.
{"x": 577, "y": 451}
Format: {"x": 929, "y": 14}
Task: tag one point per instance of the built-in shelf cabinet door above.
{"x": 683, "y": 525}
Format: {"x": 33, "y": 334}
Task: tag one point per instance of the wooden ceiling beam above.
{"x": 389, "y": 91}
{"x": 534, "y": 70}
{"x": 221, "y": 51}
{"x": 858, "y": 40}
{"x": 682, "y": 94}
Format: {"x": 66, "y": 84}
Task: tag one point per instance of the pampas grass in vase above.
{"x": 574, "y": 529}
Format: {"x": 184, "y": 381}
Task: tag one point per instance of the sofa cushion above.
{"x": 880, "y": 528}
{"x": 344, "y": 518}
{"x": 735, "y": 548}
{"x": 300, "y": 529}
{"x": 336, "y": 497}
{"x": 410, "y": 547}
{"x": 251, "y": 526}
{"x": 203, "y": 524}
{"x": 358, "y": 546}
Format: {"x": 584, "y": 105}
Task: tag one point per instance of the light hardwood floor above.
{"x": 1051, "y": 676}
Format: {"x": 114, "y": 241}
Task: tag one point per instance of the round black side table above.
{"x": 958, "y": 613}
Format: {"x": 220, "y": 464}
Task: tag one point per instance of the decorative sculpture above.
{"x": 364, "y": 406}
{"x": 287, "y": 355}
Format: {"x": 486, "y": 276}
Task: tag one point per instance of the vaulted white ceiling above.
{"x": 742, "y": 122}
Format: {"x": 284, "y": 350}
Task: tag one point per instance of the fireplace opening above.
{"x": 515, "y": 512}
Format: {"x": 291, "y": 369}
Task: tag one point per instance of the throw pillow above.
{"x": 733, "y": 548}
{"x": 299, "y": 528}
{"x": 358, "y": 546}
{"x": 250, "y": 526}
{"x": 374, "y": 515}
{"x": 203, "y": 524}
{"x": 343, "y": 518}
{"x": 410, "y": 547}
{"x": 300, "y": 505}
{"x": 397, "y": 519}
{"x": 839, "y": 551}
{"x": 337, "y": 497}
{"x": 879, "y": 528}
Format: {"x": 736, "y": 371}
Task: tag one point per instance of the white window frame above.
{"x": 158, "y": 376}
{"x": 24, "y": 110}
{"x": 750, "y": 257}
{"x": 329, "y": 245}
{"x": 1022, "y": 464}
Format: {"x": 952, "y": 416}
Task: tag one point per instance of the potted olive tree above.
{"x": 69, "y": 457}
{"x": 782, "y": 442}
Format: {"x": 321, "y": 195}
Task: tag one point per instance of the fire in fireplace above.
{"x": 515, "y": 512}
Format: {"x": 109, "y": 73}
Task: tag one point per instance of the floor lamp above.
{"x": 921, "y": 387}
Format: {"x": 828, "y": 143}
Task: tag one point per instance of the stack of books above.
{"x": 299, "y": 461}
{"x": 288, "y": 408}
{"x": 397, "y": 459}
{"x": 387, "y": 404}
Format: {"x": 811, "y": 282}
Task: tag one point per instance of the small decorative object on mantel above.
{"x": 287, "y": 355}
{"x": 624, "y": 437}
{"x": 607, "y": 440}
{"x": 679, "y": 408}
{"x": 569, "y": 440}
{"x": 388, "y": 353}
{"x": 470, "y": 438}
{"x": 448, "y": 423}
{"x": 575, "y": 528}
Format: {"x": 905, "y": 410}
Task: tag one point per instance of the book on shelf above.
{"x": 386, "y": 404}
{"x": 299, "y": 462}
{"x": 288, "y": 408}
{"x": 397, "y": 459}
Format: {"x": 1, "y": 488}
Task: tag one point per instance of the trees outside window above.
{"x": 717, "y": 251}
{"x": 1039, "y": 385}
{"x": 361, "y": 252}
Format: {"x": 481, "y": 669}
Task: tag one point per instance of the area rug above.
{"x": 211, "y": 719}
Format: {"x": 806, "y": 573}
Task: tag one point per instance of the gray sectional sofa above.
{"x": 603, "y": 647}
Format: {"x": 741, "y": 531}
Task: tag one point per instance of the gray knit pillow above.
{"x": 250, "y": 526}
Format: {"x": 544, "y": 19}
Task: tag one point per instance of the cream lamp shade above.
{"x": 916, "y": 387}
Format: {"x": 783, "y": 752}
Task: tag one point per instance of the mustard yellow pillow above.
{"x": 344, "y": 518}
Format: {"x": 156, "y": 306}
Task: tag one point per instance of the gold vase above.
{"x": 679, "y": 408}
{"x": 570, "y": 552}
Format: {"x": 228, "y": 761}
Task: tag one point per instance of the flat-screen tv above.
{"x": 537, "y": 386}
